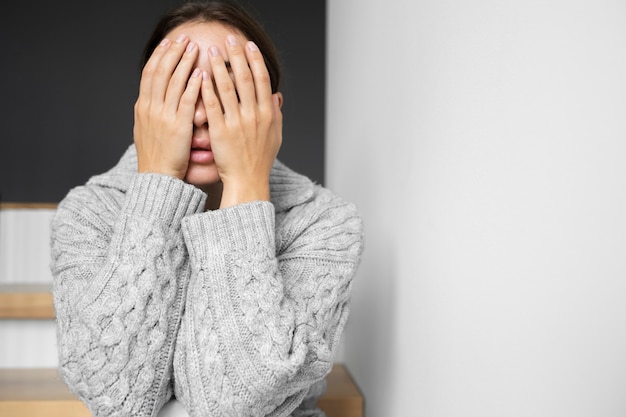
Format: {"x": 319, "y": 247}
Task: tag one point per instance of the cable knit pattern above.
{"x": 244, "y": 306}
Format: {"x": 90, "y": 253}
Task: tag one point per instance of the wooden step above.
{"x": 343, "y": 397}
{"x": 26, "y": 301}
{"x": 30, "y": 206}
{"x": 37, "y": 392}
{"x": 40, "y": 392}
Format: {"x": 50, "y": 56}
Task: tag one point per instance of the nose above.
{"x": 199, "y": 115}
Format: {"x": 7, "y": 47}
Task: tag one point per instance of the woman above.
{"x": 200, "y": 266}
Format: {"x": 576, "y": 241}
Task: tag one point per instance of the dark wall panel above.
{"x": 70, "y": 76}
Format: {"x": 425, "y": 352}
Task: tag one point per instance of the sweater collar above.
{"x": 287, "y": 188}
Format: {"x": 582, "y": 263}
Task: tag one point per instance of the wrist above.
{"x": 147, "y": 169}
{"x": 240, "y": 192}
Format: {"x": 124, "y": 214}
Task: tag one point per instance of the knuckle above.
{"x": 168, "y": 118}
{"x": 140, "y": 106}
{"x": 212, "y": 103}
{"x": 147, "y": 71}
{"x": 158, "y": 71}
{"x": 263, "y": 77}
{"x": 235, "y": 51}
{"x": 266, "y": 114}
{"x": 136, "y": 110}
{"x": 226, "y": 87}
{"x": 244, "y": 76}
{"x": 250, "y": 118}
{"x": 187, "y": 99}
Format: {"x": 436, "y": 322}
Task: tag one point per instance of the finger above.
{"x": 179, "y": 80}
{"x": 189, "y": 97}
{"x": 261, "y": 76}
{"x": 212, "y": 104}
{"x": 147, "y": 73}
{"x": 244, "y": 84}
{"x": 166, "y": 66}
{"x": 224, "y": 84}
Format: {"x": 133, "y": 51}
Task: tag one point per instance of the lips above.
{"x": 200, "y": 144}
{"x": 201, "y": 151}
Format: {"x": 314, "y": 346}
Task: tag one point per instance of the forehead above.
{"x": 206, "y": 33}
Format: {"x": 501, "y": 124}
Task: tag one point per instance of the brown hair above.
{"x": 226, "y": 12}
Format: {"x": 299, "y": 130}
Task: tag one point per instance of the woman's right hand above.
{"x": 168, "y": 92}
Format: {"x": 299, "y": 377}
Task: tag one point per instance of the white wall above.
{"x": 25, "y": 246}
{"x": 485, "y": 144}
{"x": 25, "y": 259}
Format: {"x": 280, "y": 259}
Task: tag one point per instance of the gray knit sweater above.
{"x": 236, "y": 312}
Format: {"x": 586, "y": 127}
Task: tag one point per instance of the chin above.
{"x": 202, "y": 176}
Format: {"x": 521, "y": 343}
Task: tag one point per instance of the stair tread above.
{"x": 33, "y": 384}
{"x": 26, "y": 389}
{"x": 28, "y": 288}
{"x": 22, "y": 390}
{"x": 26, "y": 301}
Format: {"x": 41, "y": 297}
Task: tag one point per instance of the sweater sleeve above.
{"x": 120, "y": 271}
{"x": 262, "y": 323}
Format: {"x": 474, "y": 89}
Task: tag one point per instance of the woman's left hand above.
{"x": 245, "y": 121}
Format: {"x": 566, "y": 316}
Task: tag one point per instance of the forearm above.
{"x": 260, "y": 330}
{"x": 119, "y": 291}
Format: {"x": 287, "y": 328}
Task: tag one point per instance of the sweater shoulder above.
{"x": 103, "y": 192}
{"x": 326, "y": 221}
{"x": 86, "y": 205}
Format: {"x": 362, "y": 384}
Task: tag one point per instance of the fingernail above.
{"x": 232, "y": 41}
{"x": 205, "y": 75}
{"x": 191, "y": 46}
{"x": 181, "y": 38}
{"x": 196, "y": 73}
{"x": 252, "y": 46}
{"x": 165, "y": 42}
{"x": 214, "y": 51}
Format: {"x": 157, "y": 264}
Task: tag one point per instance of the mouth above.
{"x": 200, "y": 143}
{"x": 201, "y": 154}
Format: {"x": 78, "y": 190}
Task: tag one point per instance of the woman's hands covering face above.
{"x": 165, "y": 107}
{"x": 244, "y": 118}
{"x": 245, "y": 121}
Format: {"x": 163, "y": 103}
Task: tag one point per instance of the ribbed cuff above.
{"x": 238, "y": 227}
{"x": 163, "y": 198}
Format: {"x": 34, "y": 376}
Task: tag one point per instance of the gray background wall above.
{"x": 70, "y": 75}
